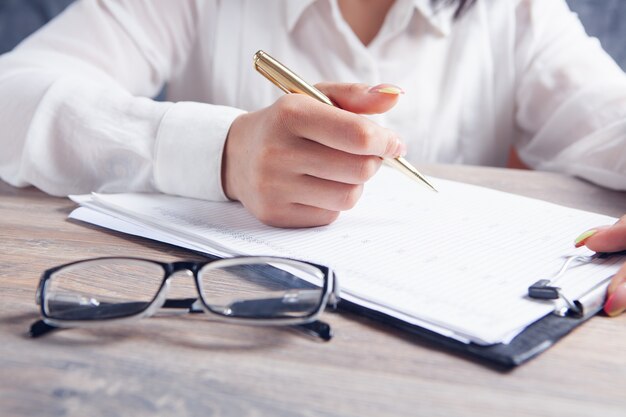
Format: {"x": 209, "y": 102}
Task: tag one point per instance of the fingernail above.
{"x": 616, "y": 303}
{"x": 386, "y": 89}
{"x": 580, "y": 240}
{"x": 400, "y": 148}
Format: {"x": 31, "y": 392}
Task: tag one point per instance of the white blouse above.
{"x": 75, "y": 115}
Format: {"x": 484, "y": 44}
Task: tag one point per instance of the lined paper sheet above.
{"x": 458, "y": 262}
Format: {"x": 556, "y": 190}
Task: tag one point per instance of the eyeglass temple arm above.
{"x": 316, "y": 328}
{"x": 40, "y": 328}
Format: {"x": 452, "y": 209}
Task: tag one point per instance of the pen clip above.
{"x": 284, "y": 78}
{"x": 272, "y": 79}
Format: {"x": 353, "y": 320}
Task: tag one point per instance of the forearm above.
{"x": 65, "y": 134}
{"x": 586, "y": 138}
{"x": 571, "y": 98}
{"x": 73, "y": 108}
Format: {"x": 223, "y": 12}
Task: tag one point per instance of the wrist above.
{"x": 229, "y": 157}
{"x": 188, "y": 150}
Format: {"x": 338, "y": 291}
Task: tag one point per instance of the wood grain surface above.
{"x": 185, "y": 365}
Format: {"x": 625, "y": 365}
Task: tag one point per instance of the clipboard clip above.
{"x": 546, "y": 289}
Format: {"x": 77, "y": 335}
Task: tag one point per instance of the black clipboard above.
{"x": 535, "y": 339}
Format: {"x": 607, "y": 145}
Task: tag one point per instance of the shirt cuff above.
{"x": 188, "y": 150}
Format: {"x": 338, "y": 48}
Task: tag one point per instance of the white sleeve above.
{"x": 571, "y": 97}
{"x": 74, "y": 112}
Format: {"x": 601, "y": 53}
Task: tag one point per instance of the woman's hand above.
{"x": 610, "y": 239}
{"x": 299, "y": 162}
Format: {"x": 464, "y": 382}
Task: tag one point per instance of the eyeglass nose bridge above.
{"x": 159, "y": 299}
{"x": 171, "y": 270}
{"x": 189, "y": 268}
{"x": 180, "y": 266}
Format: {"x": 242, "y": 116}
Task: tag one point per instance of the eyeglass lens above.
{"x": 102, "y": 289}
{"x": 261, "y": 290}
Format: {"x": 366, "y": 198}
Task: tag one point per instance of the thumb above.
{"x": 361, "y": 98}
{"x": 605, "y": 238}
{"x": 610, "y": 239}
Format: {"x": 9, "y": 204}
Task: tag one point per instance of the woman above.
{"x": 480, "y": 78}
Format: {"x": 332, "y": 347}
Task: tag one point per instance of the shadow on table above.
{"x": 162, "y": 329}
{"x": 421, "y": 337}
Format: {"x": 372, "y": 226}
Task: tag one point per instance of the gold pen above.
{"x": 289, "y": 82}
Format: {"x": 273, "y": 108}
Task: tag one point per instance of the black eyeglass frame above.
{"x": 330, "y": 295}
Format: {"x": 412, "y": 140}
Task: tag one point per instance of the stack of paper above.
{"x": 458, "y": 262}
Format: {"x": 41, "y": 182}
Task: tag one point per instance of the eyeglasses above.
{"x": 247, "y": 290}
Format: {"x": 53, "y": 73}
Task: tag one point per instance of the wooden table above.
{"x": 185, "y": 365}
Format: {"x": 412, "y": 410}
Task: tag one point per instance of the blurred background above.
{"x": 604, "y": 19}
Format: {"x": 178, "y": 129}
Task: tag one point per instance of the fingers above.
{"x": 609, "y": 239}
{"x": 325, "y": 194}
{"x": 618, "y": 280}
{"x": 605, "y": 238}
{"x": 616, "y": 294}
{"x": 361, "y": 98}
{"x": 299, "y": 162}
{"x": 285, "y": 195}
{"x": 297, "y": 215}
{"x": 311, "y": 158}
{"x": 300, "y": 200}
{"x": 336, "y": 128}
